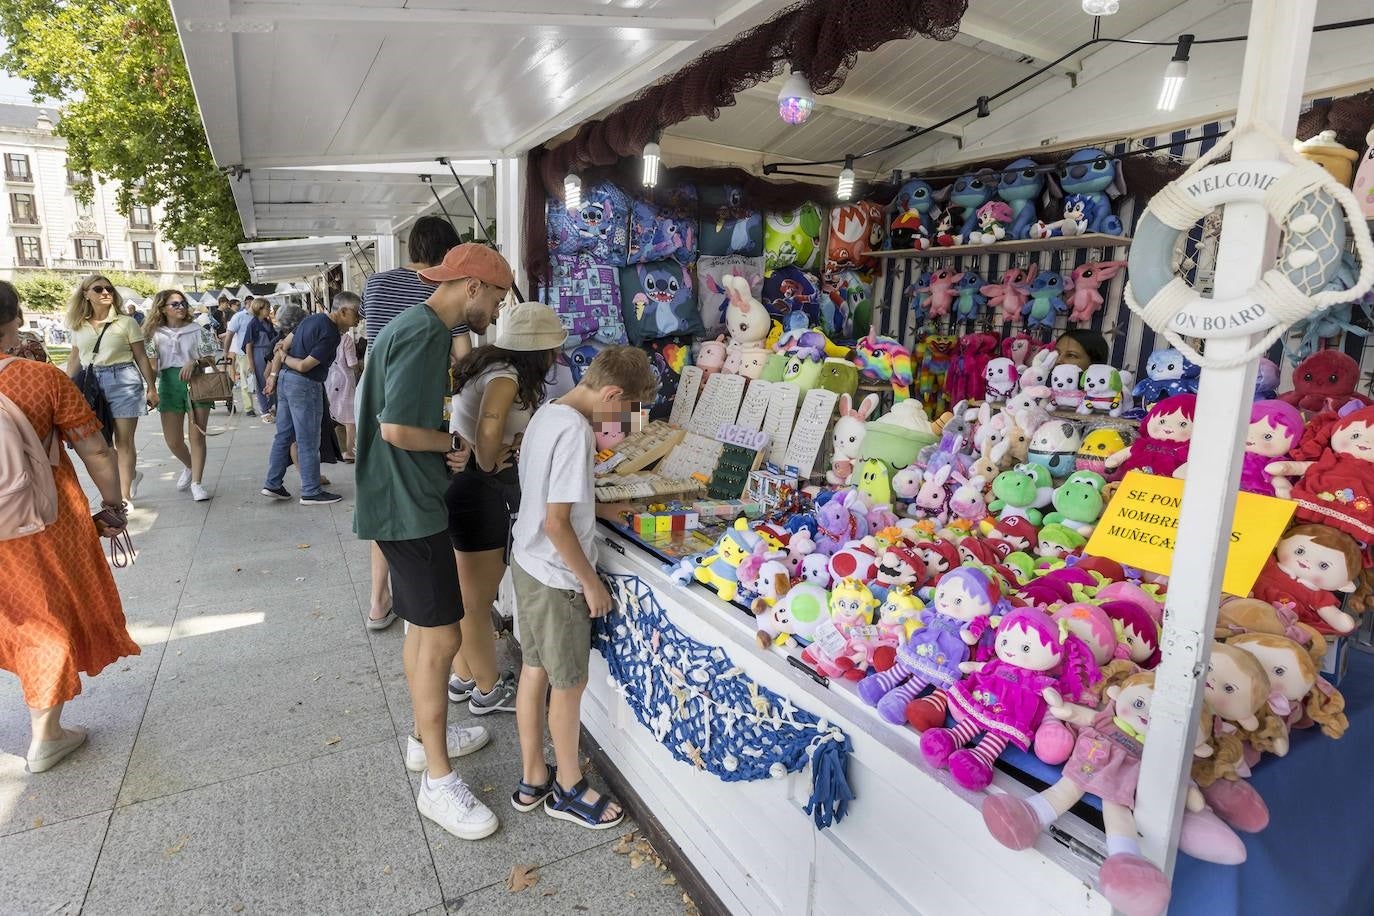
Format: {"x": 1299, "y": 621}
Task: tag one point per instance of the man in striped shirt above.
{"x": 391, "y": 292}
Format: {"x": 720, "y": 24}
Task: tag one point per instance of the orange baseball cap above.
{"x": 470, "y": 259}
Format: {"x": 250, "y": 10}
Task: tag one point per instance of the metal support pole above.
{"x": 1276, "y": 52}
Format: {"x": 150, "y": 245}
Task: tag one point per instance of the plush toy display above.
{"x": 720, "y": 567}
{"x": 1168, "y": 372}
{"x": 658, "y": 300}
{"x": 1021, "y": 493}
{"x": 969, "y": 192}
{"x": 1163, "y": 443}
{"x": 1066, "y": 381}
{"x": 1097, "y": 177}
{"x": 1098, "y": 445}
{"x": 883, "y": 359}
{"x": 796, "y": 613}
{"x": 1073, "y": 221}
{"x": 712, "y": 296}
{"x": 1293, "y": 670}
{"x": 1326, "y": 380}
{"x": 1078, "y": 502}
{"x": 1083, "y": 284}
{"x": 1021, "y": 184}
{"x": 1055, "y": 445}
{"x": 1046, "y": 300}
{"x": 969, "y": 298}
{"x": 943, "y": 234}
{"x": 745, "y": 317}
{"x": 1000, "y": 377}
{"x": 1011, "y": 292}
{"x": 941, "y": 291}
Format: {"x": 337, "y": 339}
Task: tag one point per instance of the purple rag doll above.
{"x": 1002, "y": 701}
{"x": 950, "y": 629}
{"x": 1275, "y": 427}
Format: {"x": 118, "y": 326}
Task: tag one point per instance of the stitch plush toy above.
{"x": 1020, "y": 185}
{"x": 796, "y": 613}
{"x": 1003, "y": 700}
{"x": 915, "y": 199}
{"x": 720, "y": 567}
{"x": 1163, "y": 443}
{"x": 955, "y": 622}
{"x": 993, "y": 219}
{"x": 942, "y": 291}
{"x": 851, "y": 608}
{"x": 1105, "y": 390}
{"x": 1168, "y": 372}
{"x": 1046, "y": 300}
{"x": 1098, "y": 178}
{"x": 969, "y": 299}
{"x": 1083, "y": 284}
{"x": 1011, "y": 292}
{"x": 1078, "y": 502}
{"x": 1106, "y": 763}
{"x": 969, "y": 192}
{"x": 848, "y": 437}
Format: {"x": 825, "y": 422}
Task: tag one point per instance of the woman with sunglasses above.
{"x": 111, "y": 344}
{"x": 174, "y": 344}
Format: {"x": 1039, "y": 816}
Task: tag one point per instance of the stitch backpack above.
{"x": 28, "y": 499}
{"x": 600, "y": 227}
{"x": 667, "y": 230}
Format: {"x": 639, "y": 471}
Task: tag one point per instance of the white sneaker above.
{"x": 199, "y": 493}
{"x": 133, "y": 484}
{"x": 184, "y": 480}
{"x": 452, "y": 806}
{"x": 462, "y": 740}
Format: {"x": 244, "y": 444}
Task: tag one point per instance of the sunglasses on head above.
{"x": 98, "y": 288}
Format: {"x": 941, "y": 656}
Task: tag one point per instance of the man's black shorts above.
{"x": 424, "y": 580}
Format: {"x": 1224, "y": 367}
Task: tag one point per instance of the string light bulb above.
{"x": 1101, "y": 7}
{"x": 796, "y": 101}
{"x": 845, "y": 190}
{"x": 1174, "y": 75}
{"x": 652, "y": 155}
{"x": 572, "y": 192}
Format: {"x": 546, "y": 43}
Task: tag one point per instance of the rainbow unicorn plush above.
{"x": 883, "y": 359}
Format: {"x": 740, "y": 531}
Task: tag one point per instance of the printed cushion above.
{"x": 657, "y": 300}
{"x": 600, "y": 227}
{"x": 711, "y": 291}
{"x": 789, "y": 290}
{"x": 795, "y": 238}
{"x": 847, "y": 304}
{"x": 586, "y": 295}
{"x": 667, "y": 230}
{"x": 668, "y": 356}
{"x": 855, "y": 230}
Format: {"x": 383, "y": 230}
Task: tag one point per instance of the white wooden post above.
{"x": 1276, "y": 54}
{"x": 388, "y": 252}
{"x": 511, "y": 179}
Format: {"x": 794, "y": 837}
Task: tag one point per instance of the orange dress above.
{"x": 60, "y": 612}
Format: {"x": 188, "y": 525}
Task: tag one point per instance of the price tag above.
{"x": 865, "y": 632}
{"x": 829, "y": 640}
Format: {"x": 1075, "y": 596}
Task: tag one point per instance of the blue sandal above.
{"x": 570, "y": 805}
{"x": 538, "y": 793}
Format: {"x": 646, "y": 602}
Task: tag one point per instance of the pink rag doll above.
{"x": 1010, "y": 295}
{"x": 1162, "y": 446}
{"x": 944, "y": 287}
{"x": 1002, "y": 701}
{"x": 1311, "y": 563}
{"x": 1083, "y": 284}
{"x": 841, "y": 645}
{"x": 1106, "y": 763}
{"x": 1090, "y": 623}
{"x": 934, "y": 654}
{"x": 1275, "y": 427}
{"x": 1337, "y": 489}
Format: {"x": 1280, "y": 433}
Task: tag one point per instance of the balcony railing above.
{"x": 85, "y": 263}
{"x": 24, "y": 219}
{"x": 29, "y": 262}
{"x": 187, "y": 266}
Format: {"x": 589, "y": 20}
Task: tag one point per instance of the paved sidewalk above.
{"x": 250, "y": 760}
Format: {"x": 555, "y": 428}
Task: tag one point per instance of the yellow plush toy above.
{"x": 720, "y": 567}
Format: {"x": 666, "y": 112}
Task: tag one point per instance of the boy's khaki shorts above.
{"x": 555, "y": 629}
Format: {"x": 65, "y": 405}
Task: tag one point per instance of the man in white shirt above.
{"x": 241, "y": 368}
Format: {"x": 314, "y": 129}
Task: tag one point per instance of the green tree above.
{"x": 130, "y": 114}
{"x": 44, "y": 292}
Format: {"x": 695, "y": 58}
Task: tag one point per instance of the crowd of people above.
{"x": 504, "y": 483}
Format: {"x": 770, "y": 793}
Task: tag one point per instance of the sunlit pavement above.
{"x": 250, "y": 760}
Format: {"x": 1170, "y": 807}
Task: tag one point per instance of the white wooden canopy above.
{"x": 290, "y": 259}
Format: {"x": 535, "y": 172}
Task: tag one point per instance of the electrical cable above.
{"x": 476, "y": 220}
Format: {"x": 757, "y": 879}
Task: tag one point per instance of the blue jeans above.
{"x": 300, "y": 411}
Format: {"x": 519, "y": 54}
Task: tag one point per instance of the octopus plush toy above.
{"x": 1326, "y": 380}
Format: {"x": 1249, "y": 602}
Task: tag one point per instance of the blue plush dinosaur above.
{"x": 969, "y": 298}
{"x": 1046, "y": 300}
{"x": 970, "y": 191}
{"x": 1020, "y": 184}
{"x": 1097, "y": 176}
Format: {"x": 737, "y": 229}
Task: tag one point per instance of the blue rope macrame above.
{"x": 707, "y": 712}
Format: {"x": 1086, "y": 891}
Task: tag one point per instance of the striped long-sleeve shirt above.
{"x": 388, "y": 294}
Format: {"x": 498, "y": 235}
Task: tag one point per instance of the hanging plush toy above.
{"x": 1337, "y": 489}
{"x": 1011, "y": 292}
{"x": 1046, "y": 300}
{"x": 1083, "y": 284}
{"x": 1163, "y": 443}
{"x": 969, "y": 299}
{"x": 942, "y": 291}
{"x": 1002, "y": 701}
{"x": 957, "y": 619}
{"x": 1106, "y": 763}
{"x": 1311, "y": 567}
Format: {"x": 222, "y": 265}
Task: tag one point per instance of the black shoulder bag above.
{"x": 89, "y": 385}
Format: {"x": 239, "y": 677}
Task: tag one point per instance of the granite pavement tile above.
{"x": 48, "y": 869}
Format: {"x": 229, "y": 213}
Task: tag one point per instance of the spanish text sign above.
{"x": 1140, "y": 526}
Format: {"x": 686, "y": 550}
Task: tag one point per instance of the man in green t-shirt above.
{"x": 401, "y": 477}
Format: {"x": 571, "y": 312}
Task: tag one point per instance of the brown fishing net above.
{"x": 1350, "y": 117}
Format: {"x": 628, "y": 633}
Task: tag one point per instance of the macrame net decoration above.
{"x": 707, "y": 712}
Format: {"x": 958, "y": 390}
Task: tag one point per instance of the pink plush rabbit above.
{"x": 1081, "y": 288}
{"x": 1011, "y": 292}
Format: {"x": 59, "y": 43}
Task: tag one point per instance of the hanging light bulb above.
{"x": 795, "y": 101}
{"x": 1101, "y": 7}
{"x": 845, "y": 190}
{"x": 652, "y": 154}
{"x": 1175, "y": 74}
{"x": 572, "y": 192}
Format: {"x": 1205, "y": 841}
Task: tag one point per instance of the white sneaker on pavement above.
{"x": 134, "y": 484}
{"x": 199, "y": 493}
{"x": 184, "y": 480}
{"x": 451, "y": 805}
{"x": 462, "y": 740}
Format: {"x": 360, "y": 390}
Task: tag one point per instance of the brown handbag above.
{"x": 210, "y": 382}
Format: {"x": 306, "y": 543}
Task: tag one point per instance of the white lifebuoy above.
{"x": 1299, "y": 196}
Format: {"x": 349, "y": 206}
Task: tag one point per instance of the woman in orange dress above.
{"x": 60, "y": 613}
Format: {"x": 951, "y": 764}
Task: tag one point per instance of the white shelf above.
{"x": 1060, "y": 243}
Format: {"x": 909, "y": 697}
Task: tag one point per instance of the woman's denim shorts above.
{"x": 123, "y": 387}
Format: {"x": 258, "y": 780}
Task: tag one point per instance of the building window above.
{"x": 30, "y": 250}
{"x": 76, "y": 178}
{"x": 23, "y": 210}
{"x": 17, "y": 167}
{"x": 141, "y": 216}
{"x": 89, "y": 249}
{"x": 85, "y": 208}
{"x": 145, "y": 256}
{"x": 188, "y": 259}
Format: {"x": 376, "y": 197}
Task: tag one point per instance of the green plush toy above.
{"x": 793, "y": 238}
{"x": 774, "y": 368}
{"x": 803, "y": 370}
{"x": 1078, "y": 503}
{"x": 875, "y": 482}
{"x": 840, "y": 376}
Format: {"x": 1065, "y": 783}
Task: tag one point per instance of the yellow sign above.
{"x": 1140, "y": 525}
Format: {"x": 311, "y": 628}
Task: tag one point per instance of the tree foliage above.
{"x": 130, "y": 113}
{"x": 49, "y": 290}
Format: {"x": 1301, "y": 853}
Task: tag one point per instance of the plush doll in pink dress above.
{"x": 1163, "y": 443}
{"x": 1275, "y": 427}
{"x": 1002, "y": 701}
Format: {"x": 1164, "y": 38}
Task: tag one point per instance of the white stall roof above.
{"x": 289, "y": 259}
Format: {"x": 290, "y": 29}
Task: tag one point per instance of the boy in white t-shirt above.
{"x": 557, "y": 590}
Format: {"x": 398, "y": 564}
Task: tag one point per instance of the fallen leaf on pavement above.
{"x": 623, "y": 847}
{"x": 522, "y": 877}
{"x": 302, "y": 546}
{"x": 335, "y": 740}
{"x": 236, "y": 908}
{"x": 549, "y": 893}
{"x": 387, "y": 870}
{"x": 580, "y": 908}
{"x": 38, "y": 822}
{"x": 669, "y": 881}
{"x": 178, "y": 846}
